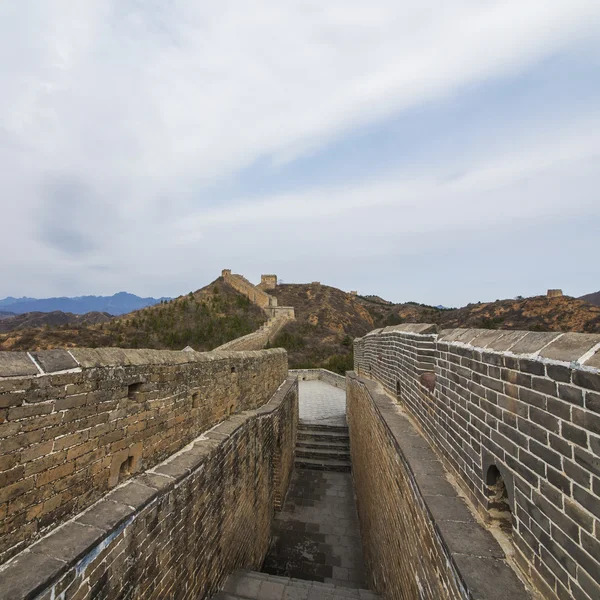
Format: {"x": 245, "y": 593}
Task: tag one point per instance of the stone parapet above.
{"x": 74, "y": 424}
{"x": 420, "y": 540}
{"x": 515, "y": 417}
{"x": 179, "y": 529}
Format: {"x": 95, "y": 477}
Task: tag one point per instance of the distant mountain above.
{"x": 6, "y": 315}
{"x": 53, "y": 319}
{"x": 118, "y": 304}
{"x": 204, "y": 320}
{"x": 592, "y": 298}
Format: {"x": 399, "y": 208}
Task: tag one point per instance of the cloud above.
{"x": 125, "y": 124}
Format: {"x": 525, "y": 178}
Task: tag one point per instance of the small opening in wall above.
{"x": 126, "y": 467}
{"x": 398, "y": 388}
{"x": 233, "y": 369}
{"x": 133, "y": 389}
{"x": 498, "y": 502}
{"x": 195, "y": 399}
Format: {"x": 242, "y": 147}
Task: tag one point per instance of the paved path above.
{"x": 322, "y": 404}
{"x": 316, "y": 536}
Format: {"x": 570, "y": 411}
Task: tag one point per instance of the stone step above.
{"x": 251, "y": 585}
{"x": 323, "y": 464}
{"x": 315, "y": 426}
{"x": 318, "y": 453}
{"x": 322, "y": 435}
{"x": 329, "y": 445}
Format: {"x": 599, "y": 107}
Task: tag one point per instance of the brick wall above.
{"x": 74, "y": 424}
{"x": 178, "y": 530}
{"x": 527, "y": 404}
{"x": 255, "y": 294}
{"x": 404, "y": 554}
{"x": 257, "y": 339}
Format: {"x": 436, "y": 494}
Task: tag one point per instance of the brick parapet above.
{"x": 420, "y": 540}
{"x": 179, "y": 529}
{"x": 527, "y": 403}
{"x": 257, "y": 339}
{"x": 75, "y": 423}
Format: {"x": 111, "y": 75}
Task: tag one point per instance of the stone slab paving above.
{"x": 321, "y": 403}
{"x": 316, "y": 535}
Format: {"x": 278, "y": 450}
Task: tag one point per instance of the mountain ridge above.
{"x": 593, "y": 298}
{"x": 117, "y": 304}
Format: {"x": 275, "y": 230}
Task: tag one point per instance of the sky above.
{"x": 440, "y": 151}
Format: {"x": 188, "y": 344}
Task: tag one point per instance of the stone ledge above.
{"x": 39, "y": 566}
{"x": 21, "y": 364}
{"x": 580, "y": 348}
{"x": 472, "y": 548}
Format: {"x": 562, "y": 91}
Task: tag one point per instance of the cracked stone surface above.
{"x": 321, "y": 403}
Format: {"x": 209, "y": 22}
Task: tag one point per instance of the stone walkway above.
{"x": 316, "y": 536}
{"x": 321, "y": 403}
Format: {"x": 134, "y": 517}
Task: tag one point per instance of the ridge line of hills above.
{"x": 117, "y": 304}
{"x": 327, "y": 320}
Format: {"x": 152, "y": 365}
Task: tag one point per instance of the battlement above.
{"x": 76, "y": 423}
{"x": 268, "y": 282}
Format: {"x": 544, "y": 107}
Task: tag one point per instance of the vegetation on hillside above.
{"x": 204, "y": 320}
{"x": 538, "y": 313}
{"x": 327, "y": 321}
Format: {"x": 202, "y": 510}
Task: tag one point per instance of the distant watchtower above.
{"x": 554, "y": 293}
{"x": 268, "y": 282}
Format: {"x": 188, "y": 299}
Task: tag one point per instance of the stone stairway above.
{"x": 251, "y": 585}
{"x": 323, "y": 447}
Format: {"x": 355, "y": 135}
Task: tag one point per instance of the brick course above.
{"x": 69, "y": 436}
{"x": 535, "y": 418}
{"x": 178, "y": 530}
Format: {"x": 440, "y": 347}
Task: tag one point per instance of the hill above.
{"x": 538, "y": 313}
{"x": 6, "y": 315}
{"x": 116, "y": 304}
{"x": 204, "y": 320}
{"x": 52, "y": 319}
{"x": 327, "y": 320}
{"x": 592, "y": 298}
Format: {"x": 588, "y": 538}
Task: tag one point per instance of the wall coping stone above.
{"x": 577, "y": 350}
{"x": 581, "y": 350}
{"x": 45, "y": 362}
{"x": 474, "y": 554}
{"x": 77, "y": 541}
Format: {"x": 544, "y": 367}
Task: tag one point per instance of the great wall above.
{"x": 456, "y": 464}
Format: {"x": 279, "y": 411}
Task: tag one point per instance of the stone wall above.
{"x": 419, "y": 538}
{"x": 329, "y": 377}
{"x": 178, "y": 530}
{"x": 257, "y": 339}
{"x": 521, "y": 406}
{"x": 75, "y": 423}
{"x": 254, "y": 294}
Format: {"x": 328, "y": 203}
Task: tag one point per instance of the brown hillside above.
{"x": 52, "y": 319}
{"x": 538, "y": 313}
{"x": 204, "y": 320}
{"x": 592, "y": 298}
{"x": 327, "y": 320}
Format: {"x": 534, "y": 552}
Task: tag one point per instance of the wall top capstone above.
{"x": 43, "y": 362}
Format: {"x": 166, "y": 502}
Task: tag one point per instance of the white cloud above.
{"x": 143, "y": 103}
